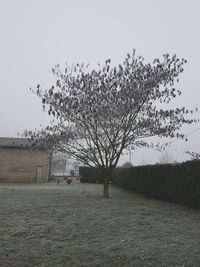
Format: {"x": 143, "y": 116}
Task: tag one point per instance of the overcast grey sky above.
{"x": 37, "y": 34}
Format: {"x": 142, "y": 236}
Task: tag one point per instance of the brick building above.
{"x": 19, "y": 162}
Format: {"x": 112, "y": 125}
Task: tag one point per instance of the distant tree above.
{"x": 165, "y": 158}
{"x": 58, "y": 163}
{"x": 72, "y": 172}
{"x": 127, "y": 164}
{"x": 75, "y": 165}
{"x": 99, "y": 113}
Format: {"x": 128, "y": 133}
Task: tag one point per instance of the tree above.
{"x": 165, "y": 158}
{"x": 127, "y": 164}
{"x": 100, "y": 112}
{"x": 72, "y": 172}
{"x": 58, "y": 163}
{"x": 75, "y": 165}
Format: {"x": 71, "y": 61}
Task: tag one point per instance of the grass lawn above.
{"x": 72, "y": 225}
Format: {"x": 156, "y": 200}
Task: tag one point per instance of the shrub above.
{"x": 69, "y": 180}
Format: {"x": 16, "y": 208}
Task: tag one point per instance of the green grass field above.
{"x": 72, "y": 225}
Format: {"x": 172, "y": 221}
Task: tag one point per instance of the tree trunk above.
{"x": 107, "y": 175}
{"x": 105, "y": 187}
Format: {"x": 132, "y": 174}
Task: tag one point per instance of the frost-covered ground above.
{"x": 72, "y": 225}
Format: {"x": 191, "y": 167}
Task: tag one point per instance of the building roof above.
{"x": 20, "y": 142}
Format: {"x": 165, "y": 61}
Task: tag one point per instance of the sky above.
{"x": 35, "y": 35}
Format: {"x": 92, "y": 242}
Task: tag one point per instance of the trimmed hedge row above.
{"x": 90, "y": 175}
{"x": 177, "y": 183}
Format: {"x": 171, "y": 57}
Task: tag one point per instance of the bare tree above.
{"x": 72, "y": 172}
{"x": 98, "y": 113}
{"x": 75, "y": 165}
{"x": 165, "y": 158}
{"x": 58, "y": 163}
{"x": 127, "y": 164}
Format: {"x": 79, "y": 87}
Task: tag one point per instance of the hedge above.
{"x": 178, "y": 183}
{"x": 90, "y": 175}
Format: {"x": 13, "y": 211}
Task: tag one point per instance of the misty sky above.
{"x": 35, "y": 35}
